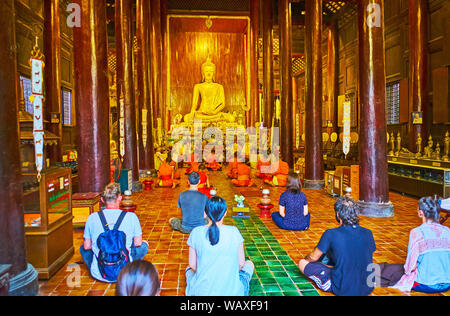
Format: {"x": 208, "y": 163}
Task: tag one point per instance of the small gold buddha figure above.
{"x": 428, "y": 151}
{"x": 437, "y": 152}
{"x": 392, "y": 139}
{"x": 419, "y": 145}
{"x": 446, "y": 146}
{"x": 399, "y": 144}
{"x": 211, "y": 96}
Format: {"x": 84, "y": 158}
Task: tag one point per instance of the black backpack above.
{"x": 113, "y": 254}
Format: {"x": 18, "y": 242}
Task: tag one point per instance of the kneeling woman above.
{"x": 293, "y": 213}
{"x": 217, "y": 265}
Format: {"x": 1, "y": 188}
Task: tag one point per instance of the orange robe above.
{"x": 165, "y": 176}
{"x": 232, "y": 169}
{"x": 260, "y": 174}
{"x": 176, "y": 172}
{"x": 212, "y": 161}
{"x": 281, "y": 174}
{"x": 243, "y": 178}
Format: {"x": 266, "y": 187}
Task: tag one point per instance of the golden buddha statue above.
{"x": 446, "y": 146}
{"x": 212, "y": 96}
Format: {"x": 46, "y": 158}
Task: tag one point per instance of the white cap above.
{"x": 348, "y": 190}
{"x": 213, "y": 192}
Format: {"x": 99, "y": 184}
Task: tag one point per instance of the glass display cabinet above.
{"x": 48, "y": 220}
{"x": 419, "y": 177}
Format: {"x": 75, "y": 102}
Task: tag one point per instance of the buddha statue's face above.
{"x": 208, "y": 73}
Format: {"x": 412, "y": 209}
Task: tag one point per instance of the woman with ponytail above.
{"x": 217, "y": 265}
{"x": 427, "y": 267}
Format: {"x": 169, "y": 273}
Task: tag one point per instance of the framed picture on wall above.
{"x": 417, "y": 118}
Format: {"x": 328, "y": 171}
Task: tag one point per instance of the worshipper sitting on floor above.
{"x": 349, "y": 249}
{"x": 128, "y": 223}
{"x": 213, "y": 161}
{"x": 192, "y": 205}
{"x": 166, "y": 177}
{"x": 427, "y": 267}
{"x": 243, "y": 175}
{"x": 217, "y": 265}
{"x": 293, "y": 214}
{"x": 138, "y": 278}
{"x": 279, "y": 177}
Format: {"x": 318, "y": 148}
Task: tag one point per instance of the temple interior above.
{"x": 351, "y": 96}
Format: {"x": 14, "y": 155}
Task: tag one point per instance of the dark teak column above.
{"x": 125, "y": 38}
{"x": 92, "y": 96}
{"x": 418, "y": 67}
{"x": 286, "y": 102}
{"x": 52, "y": 73}
{"x": 373, "y": 179}
{"x": 314, "y": 175}
{"x": 156, "y": 61}
{"x": 12, "y": 232}
{"x": 268, "y": 107}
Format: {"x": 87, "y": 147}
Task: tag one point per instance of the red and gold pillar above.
{"x": 418, "y": 69}
{"x": 92, "y": 96}
{"x": 24, "y": 279}
{"x": 268, "y": 85}
{"x": 254, "y": 80}
{"x": 373, "y": 181}
{"x": 146, "y": 154}
{"x": 52, "y": 73}
{"x": 159, "y": 110}
{"x": 125, "y": 39}
{"x": 314, "y": 170}
{"x": 286, "y": 102}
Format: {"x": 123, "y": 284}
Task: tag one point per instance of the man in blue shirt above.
{"x": 192, "y": 204}
{"x": 350, "y": 248}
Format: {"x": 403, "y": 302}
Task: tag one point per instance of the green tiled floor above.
{"x": 276, "y": 274}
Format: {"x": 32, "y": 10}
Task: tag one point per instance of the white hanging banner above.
{"x": 347, "y": 127}
{"x": 122, "y": 126}
{"x": 37, "y": 99}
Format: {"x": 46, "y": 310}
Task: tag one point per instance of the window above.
{"x": 26, "y": 84}
{"x": 393, "y": 103}
{"x": 66, "y": 102}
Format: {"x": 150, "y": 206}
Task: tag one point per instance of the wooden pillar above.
{"x": 146, "y": 154}
{"x": 164, "y": 49}
{"x": 418, "y": 69}
{"x": 156, "y": 61}
{"x": 52, "y": 73}
{"x": 314, "y": 171}
{"x": 268, "y": 86}
{"x": 125, "y": 38}
{"x": 12, "y": 232}
{"x": 92, "y": 96}
{"x": 286, "y": 102}
{"x": 332, "y": 78}
{"x": 254, "y": 81}
{"x": 373, "y": 180}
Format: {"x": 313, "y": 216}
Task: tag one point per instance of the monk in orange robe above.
{"x": 232, "y": 169}
{"x": 166, "y": 177}
{"x": 176, "y": 172}
{"x": 280, "y": 176}
{"x": 213, "y": 162}
{"x": 203, "y": 185}
{"x": 243, "y": 179}
{"x": 260, "y": 174}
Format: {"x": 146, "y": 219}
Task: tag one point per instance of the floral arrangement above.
{"x": 240, "y": 199}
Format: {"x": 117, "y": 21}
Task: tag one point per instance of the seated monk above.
{"x": 193, "y": 165}
{"x": 243, "y": 179}
{"x": 232, "y": 169}
{"x": 213, "y": 162}
{"x": 176, "y": 172}
{"x": 260, "y": 174}
{"x": 203, "y": 185}
{"x": 165, "y": 175}
{"x": 280, "y": 176}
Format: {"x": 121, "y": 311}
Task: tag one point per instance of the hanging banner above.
{"x": 347, "y": 127}
{"x": 144, "y": 127}
{"x": 37, "y": 99}
{"x": 122, "y": 126}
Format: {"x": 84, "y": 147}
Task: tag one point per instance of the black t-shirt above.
{"x": 351, "y": 249}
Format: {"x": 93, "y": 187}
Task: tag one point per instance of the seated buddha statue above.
{"x": 211, "y": 96}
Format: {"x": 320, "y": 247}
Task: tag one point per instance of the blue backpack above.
{"x": 113, "y": 254}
